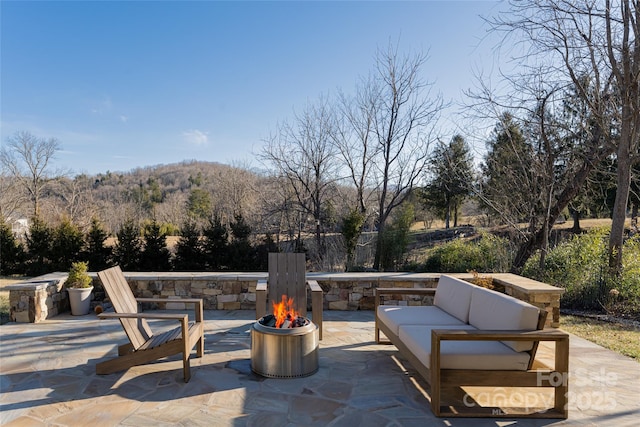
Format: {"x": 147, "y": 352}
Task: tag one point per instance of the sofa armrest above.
{"x": 533, "y": 378}
{"x": 560, "y": 338}
{"x": 497, "y": 335}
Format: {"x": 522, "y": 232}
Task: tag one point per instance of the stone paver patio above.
{"x": 48, "y": 378}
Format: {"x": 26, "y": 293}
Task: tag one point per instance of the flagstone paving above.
{"x": 48, "y": 379}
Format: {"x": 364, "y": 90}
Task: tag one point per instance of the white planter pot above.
{"x": 80, "y": 300}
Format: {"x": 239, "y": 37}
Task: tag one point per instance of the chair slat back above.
{"x": 123, "y": 300}
{"x": 287, "y": 276}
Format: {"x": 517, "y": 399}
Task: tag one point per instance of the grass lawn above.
{"x": 4, "y": 306}
{"x": 4, "y": 296}
{"x": 621, "y": 338}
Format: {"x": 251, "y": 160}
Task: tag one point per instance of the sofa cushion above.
{"x": 478, "y": 355}
{"x": 393, "y": 316}
{"x": 454, "y": 296}
{"x": 495, "y": 310}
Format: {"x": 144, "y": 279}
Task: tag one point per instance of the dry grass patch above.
{"x": 623, "y": 338}
{"x": 4, "y": 296}
{"x": 4, "y": 307}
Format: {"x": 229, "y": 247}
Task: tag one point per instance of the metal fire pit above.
{"x": 284, "y": 352}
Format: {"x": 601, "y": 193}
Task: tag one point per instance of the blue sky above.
{"x": 140, "y": 83}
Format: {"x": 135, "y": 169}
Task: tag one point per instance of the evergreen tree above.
{"x": 242, "y": 254}
{"x": 129, "y": 247}
{"x": 199, "y": 203}
{"x": 155, "y": 256}
{"x": 395, "y": 238}
{"x": 262, "y": 251}
{"x": 451, "y": 181}
{"x": 216, "y": 242}
{"x": 66, "y": 247}
{"x": 351, "y": 230}
{"x": 98, "y": 255}
{"x": 508, "y": 179}
{"x": 189, "y": 249}
{"x": 11, "y": 251}
{"x": 39, "y": 241}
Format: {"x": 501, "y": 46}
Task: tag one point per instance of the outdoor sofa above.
{"x": 476, "y": 337}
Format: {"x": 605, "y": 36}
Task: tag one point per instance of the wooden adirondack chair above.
{"x": 287, "y": 276}
{"x": 144, "y": 346}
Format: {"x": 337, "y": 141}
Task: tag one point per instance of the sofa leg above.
{"x": 562, "y": 366}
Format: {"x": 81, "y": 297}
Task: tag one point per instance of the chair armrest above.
{"x": 261, "y": 298}
{"x": 158, "y": 316}
{"x": 262, "y": 285}
{"x": 317, "y": 300}
{"x": 185, "y": 300}
{"x": 314, "y": 286}
{"x": 197, "y": 304}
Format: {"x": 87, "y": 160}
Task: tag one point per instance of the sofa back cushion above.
{"x": 454, "y": 296}
{"x": 497, "y": 311}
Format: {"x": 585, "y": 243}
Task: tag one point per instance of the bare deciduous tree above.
{"x": 235, "y": 193}
{"x": 12, "y": 196}
{"x": 172, "y": 210}
{"x": 27, "y": 158}
{"x": 302, "y": 153}
{"x": 403, "y": 118}
{"x": 74, "y": 200}
{"x": 570, "y": 40}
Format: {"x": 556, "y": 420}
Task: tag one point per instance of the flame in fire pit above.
{"x": 284, "y": 312}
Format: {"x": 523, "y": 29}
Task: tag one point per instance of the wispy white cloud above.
{"x": 103, "y": 106}
{"x": 196, "y": 137}
{"x": 123, "y": 118}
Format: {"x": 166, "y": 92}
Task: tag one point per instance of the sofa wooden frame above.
{"x": 537, "y": 374}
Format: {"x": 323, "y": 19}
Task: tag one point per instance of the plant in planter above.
{"x": 79, "y": 287}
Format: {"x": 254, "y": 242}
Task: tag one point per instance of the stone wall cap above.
{"x": 525, "y": 284}
{"x": 31, "y": 285}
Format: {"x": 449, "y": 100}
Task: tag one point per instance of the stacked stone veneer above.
{"x": 38, "y": 299}
{"x": 43, "y": 297}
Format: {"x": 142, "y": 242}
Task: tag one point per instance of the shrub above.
{"x": 78, "y": 277}
{"x": 489, "y": 253}
{"x": 580, "y": 266}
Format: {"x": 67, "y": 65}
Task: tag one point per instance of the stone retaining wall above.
{"x": 43, "y": 297}
{"x": 38, "y": 299}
